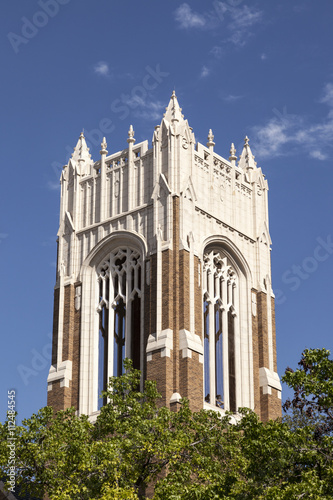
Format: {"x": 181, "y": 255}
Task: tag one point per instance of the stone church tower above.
{"x": 164, "y": 257}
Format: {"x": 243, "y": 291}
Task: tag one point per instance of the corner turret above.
{"x": 173, "y": 110}
{"x": 246, "y": 161}
{"x": 82, "y": 156}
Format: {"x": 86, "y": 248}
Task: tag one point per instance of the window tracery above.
{"x": 219, "y": 302}
{"x": 119, "y": 311}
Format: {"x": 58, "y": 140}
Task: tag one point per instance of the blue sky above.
{"x": 262, "y": 69}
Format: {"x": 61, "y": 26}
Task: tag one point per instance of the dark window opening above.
{"x": 206, "y": 352}
{"x": 231, "y": 360}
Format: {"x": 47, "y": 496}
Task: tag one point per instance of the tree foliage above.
{"x": 134, "y": 444}
{"x": 312, "y": 403}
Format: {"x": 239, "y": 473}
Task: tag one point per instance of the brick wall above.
{"x": 184, "y": 290}
{"x": 176, "y": 374}
{"x": 274, "y": 333}
{"x": 60, "y": 397}
{"x": 191, "y": 381}
{"x": 65, "y": 397}
{"x": 167, "y": 289}
{"x": 270, "y": 404}
{"x": 262, "y": 328}
{"x": 68, "y": 323}
{"x": 160, "y": 369}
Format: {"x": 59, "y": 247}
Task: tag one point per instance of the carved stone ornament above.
{"x": 222, "y": 188}
{"x": 116, "y": 189}
{"x": 77, "y": 299}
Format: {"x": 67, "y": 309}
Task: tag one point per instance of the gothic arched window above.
{"x": 220, "y": 290}
{"x": 119, "y": 311}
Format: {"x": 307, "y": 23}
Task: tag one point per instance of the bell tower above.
{"x": 164, "y": 257}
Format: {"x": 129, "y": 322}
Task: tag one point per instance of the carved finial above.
{"x": 246, "y": 160}
{"x": 232, "y": 156}
{"x": 103, "y": 151}
{"x": 210, "y": 143}
{"x": 104, "y": 144}
{"x": 81, "y": 150}
{"x": 131, "y": 131}
{"x": 131, "y": 135}
{"x": 173, "y": 110}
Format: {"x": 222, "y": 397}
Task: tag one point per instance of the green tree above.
{"x": 134, "y": 443}
{"x": 70, "y": 457}
{"x": 312, "y": 403}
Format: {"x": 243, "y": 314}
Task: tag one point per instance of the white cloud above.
{"x": 320, "y": 133}
{"x": 270, "y": 138}
{"x": 287, "y": 134}
{"x": 232, "y": 98}
{"x": 217, "y": 51}
{"x": 152, "y": 110}
{"x": 204, "y": 71}
{"x": 189, "y": 19}
{"x": 133, "y": 101}
{"x": 148, "y": 110}
{"x": 239, "y": 20}
{"x": 245, "y": 17}
{"x": 318, "y": 155}
{"x": 328, "y": 94}
{"x": 242, "y": 20}
{"x": 263, "y": 57}
{"x": 102, "y": 68}
{"x": 239, "y": 38}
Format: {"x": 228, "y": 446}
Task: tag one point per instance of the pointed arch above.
{"x": 112, "y": 278}
{"x": 232, "y": 251}
{"x": 227, "y": 333}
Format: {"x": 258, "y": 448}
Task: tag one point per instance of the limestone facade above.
{"x": 164, "y": 257}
